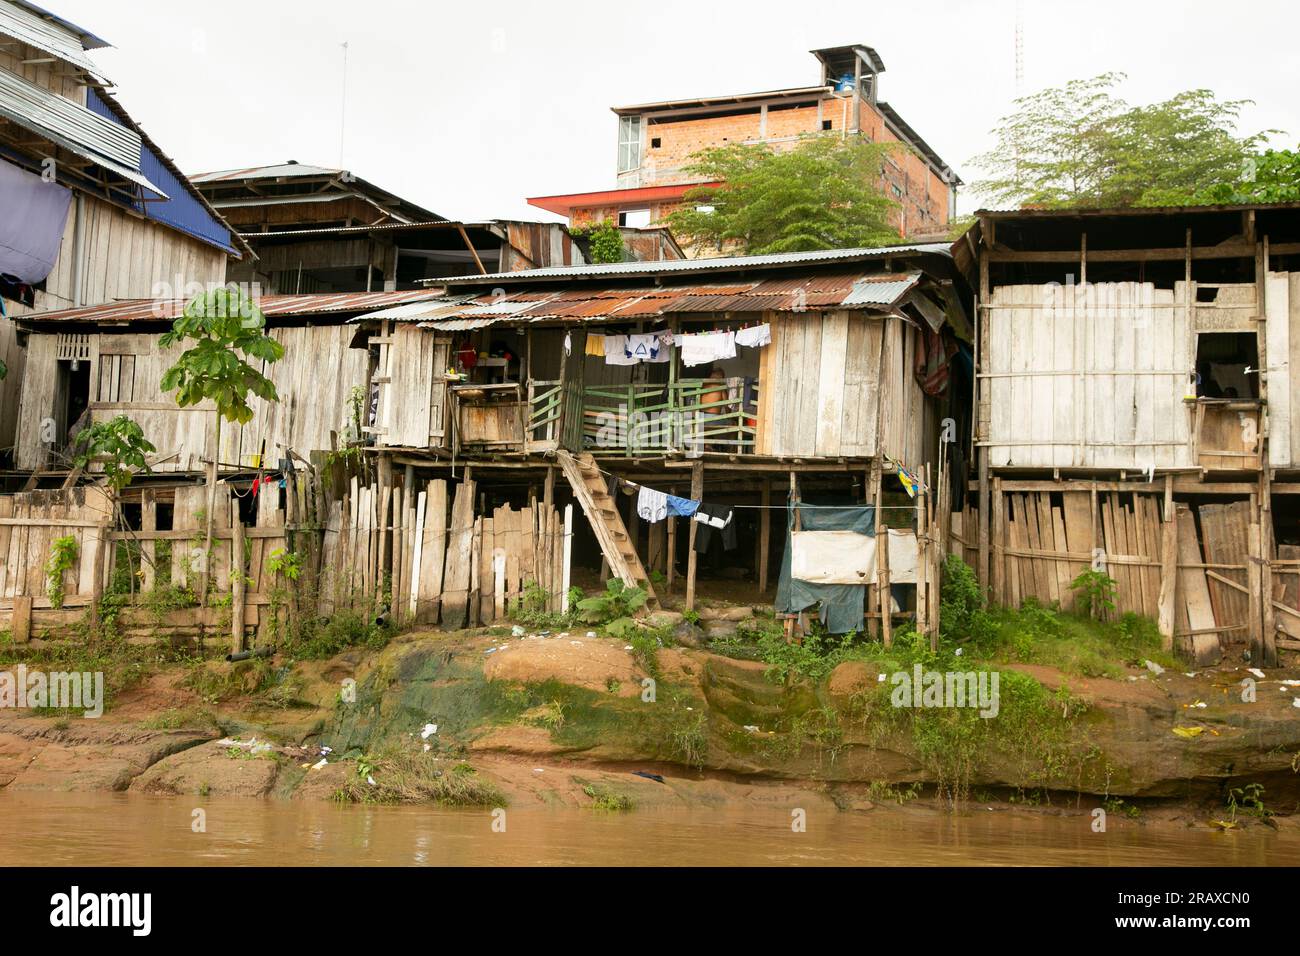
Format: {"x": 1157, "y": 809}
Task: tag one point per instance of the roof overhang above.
{"x": 44, "y": 31}
{"x": 73, "y": 127}
{"x": 564, "y": 205}
{"x": 735, "y": 99}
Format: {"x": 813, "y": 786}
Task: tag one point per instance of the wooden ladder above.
{"x": 598, "y": 505}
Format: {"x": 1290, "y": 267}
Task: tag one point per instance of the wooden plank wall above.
{"x": 412, "y": 400}
{"x": 1089, "y": 376}
{"x": 427, "y": 565}
{"x": 1045, "y": 539}
{"x": 314, "y": 381}
{"x": 840, "y": 384}
{"x": 29, "y": 525}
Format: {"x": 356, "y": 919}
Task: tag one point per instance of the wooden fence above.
{"x": 1201, "y": 574}
{"x": 317, "y": 544}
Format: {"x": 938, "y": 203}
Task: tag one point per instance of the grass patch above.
{"x": 403, "y": 775}
{"x": 186, "y": 718}
{"x": 603, "y": 798}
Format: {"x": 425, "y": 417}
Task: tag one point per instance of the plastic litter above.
{"x": 428, "y": 731}
{"x": 649, "y": 776}
{"x": 751, "y": 728}
{"x": 319, "y": 763}
{"x": 1256, "y": 671}
{"x": 517, "y": 631}
{"x": 1154, "y": 668}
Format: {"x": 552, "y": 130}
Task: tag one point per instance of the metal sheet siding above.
{"x": 69, "y": 124}
{"x": 26, "y": 26}
{"x": 182, "y": 211}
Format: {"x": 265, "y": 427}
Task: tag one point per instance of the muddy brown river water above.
{"x": 128, "y": 829}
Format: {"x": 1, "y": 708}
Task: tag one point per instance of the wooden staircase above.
{"x": 598, "y": 504}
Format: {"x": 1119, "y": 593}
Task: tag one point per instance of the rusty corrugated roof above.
{"x": 844, "y": 291}
{"x": 127, "y": 311}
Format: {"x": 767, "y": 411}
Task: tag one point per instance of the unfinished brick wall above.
{"x": 922, "y": 194}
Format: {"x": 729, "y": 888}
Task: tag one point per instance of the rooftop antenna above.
{"x": 343, "y": 106}
{"x": 1020, "y": 49}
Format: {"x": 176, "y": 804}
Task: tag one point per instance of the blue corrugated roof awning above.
{"x": 181, "y": 210}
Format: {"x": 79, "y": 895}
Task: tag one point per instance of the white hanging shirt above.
{"x": 651, "y": 505}
{"x": 755, "y": 337}
{"x": 707, "y": 347}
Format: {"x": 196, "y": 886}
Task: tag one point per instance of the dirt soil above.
{"x": 551, "y": 720}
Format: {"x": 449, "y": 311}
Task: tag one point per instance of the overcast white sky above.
{"x": 469, "y": 108}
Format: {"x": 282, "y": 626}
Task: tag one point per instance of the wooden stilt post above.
{"x": 793, "y": 628}
{"x": 997, "y": 531}
{"x": 764, "y": 534}
{"x": 981, "y": 410}
{"x": 1168, "y": 568}
{"x": 1254, "y": 583}
{"x": 883, "y": 598}
{"x": 1266, "y": 555}
{"x": 697, "y": 492}
{"x": 671, "y": 570}
{"x": 237, "y": 608}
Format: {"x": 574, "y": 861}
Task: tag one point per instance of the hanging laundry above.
{"x": 755, "y": 337}
{"x": 714, "y": 518}
{"x": 665, "y": 352}
{"x": 908, "y": 480}
{"x": 651, "y": 505}
{"x": 616, "y": 351}
{"x": 596, "y": 344}
{"x": 643, "y": 348}
{"x": 707, "y": 347}
{"x": 682, "y": 507}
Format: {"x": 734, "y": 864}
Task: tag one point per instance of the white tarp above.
{"x": 31, "y": 228}
{"x": 846, "y": 557}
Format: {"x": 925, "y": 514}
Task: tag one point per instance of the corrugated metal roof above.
{"x": 185, "y": 209}
{"x": 151, "y": 310}
{"x": 1073, "y": 212}
{"x": 688, "y": 266}
{"x": 41, "y": 29}
{"x": 274, "y": 171}
{"x": 74, "y": 127}
{"x": 852, "y": 291}
{"x": 869, "y": 290}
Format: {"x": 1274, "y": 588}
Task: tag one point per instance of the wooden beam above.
{"x": 764, "y": 535}
{"x": 697, "y": 492}
{"x": 464, "y": 236}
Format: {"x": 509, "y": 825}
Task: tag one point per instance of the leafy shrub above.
{"x": 619, "y": 600}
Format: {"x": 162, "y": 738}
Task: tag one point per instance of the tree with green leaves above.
{"x": 223, "y": 365}
{"x": 604, "y": 240}
{"x": 1270, "y": 176}
{"x": 825, "y": 193}
{"x": 120, "y": 444}
{"x": 1082, "y": 145}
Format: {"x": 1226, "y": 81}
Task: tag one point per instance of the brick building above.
{"x": 656, "y": 142}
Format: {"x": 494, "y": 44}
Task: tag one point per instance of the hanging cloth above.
{"x": 682, "y": 507}
{"x": 616, "y": 351}
{"x": 651, "y": 505}
{"x": 643, "y": 348}
{"x": 665, "y": 351}
{"x": 596, "y": 344}
{"x": 714, "y": 519}
{"x": 707, "y": 347}
{"x": 755, "y": 337}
